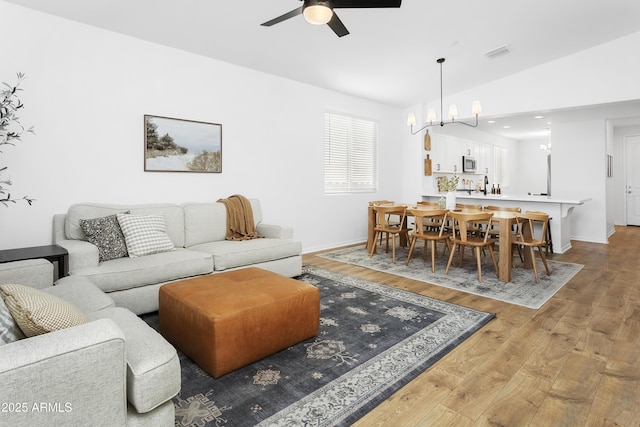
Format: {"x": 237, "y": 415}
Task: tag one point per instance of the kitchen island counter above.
{"x": 558, "y": 208}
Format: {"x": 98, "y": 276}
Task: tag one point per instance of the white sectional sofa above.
{"x": 113, "y": 370}
{"x": 197, "y": 231}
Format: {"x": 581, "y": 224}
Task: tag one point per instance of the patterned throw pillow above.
{"x": 106, "y": 234}
{"x": 145, "y": 234}
{"x": 38, "y": 312}
{"x": 9, "y": 329}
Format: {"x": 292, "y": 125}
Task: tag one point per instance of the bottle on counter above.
{"x": 498, "y": 190}
{"x": 493, "y": 189}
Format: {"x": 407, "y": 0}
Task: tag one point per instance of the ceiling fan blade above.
{"x": 346, "y": 4}
{"x": 284, "y": 17}
{"x": 337, "y": 26}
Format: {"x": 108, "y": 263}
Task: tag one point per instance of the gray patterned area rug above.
{"x": 373, "y": 340}
{"x": 522, "y": 290}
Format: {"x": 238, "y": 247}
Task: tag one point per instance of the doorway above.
{"x": 632, "y": 188}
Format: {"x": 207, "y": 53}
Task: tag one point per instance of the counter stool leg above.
{"x": 549, "y": 244}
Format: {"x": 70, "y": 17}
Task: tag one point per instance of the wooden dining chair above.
{"x": 468, "y": 207}
{"x": 430, "y": 223}
{"x": 434, "y": 205}
{"x": 494, "y": 230}
{"x": 391, "y": 229}
{"x": 388, "y": 219}
{"x": 502, "y": 208}
{"x": 428, "y": 234}
{"x": 472, "y": 229}
{"x": 460, "y": 237}
{"x": 532, "y": 232}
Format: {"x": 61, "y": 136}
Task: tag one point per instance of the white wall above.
{"x": 86, "y": 93}
{"x": 582, "y": 145}
{"x": 531, "y": 167}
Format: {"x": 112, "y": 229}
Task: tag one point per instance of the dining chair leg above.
{"x": 373, "y": 247}
{"x": 513, "y": 254}
{"x": 393, "y": 249}
{"x": 461, "y": 254}
{"x": 453, "y": 251}
{"x": 424, "y": 251}
{"x": 519, "y": 252}
{"x": 533, "y": 259}
{"x": 544, "y": 260}
{"x": 493, "y": 258}
{"x": 413, "y": 243}
{"x": 433, "y": 255}
{"x": 479, "y": 263}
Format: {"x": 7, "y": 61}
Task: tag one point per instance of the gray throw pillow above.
{"x": 9, "y": 329}
{"x": 106, "y": 234}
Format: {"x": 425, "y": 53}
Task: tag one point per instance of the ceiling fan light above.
{"x": 317, "y": 12}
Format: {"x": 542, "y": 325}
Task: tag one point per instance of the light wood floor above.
{"x": 573, "y": 362}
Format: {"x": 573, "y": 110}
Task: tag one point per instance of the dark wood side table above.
{"x": 49, "y": 252}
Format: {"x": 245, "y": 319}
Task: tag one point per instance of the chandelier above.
{"x": 476, "y": 109}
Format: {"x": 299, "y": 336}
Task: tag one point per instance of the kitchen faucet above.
{"x": 486, "y": 182}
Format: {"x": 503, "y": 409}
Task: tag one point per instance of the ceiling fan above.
{"x": 319, "y": 12}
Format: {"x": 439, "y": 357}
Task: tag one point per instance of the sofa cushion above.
{"x": 79, "y": 291}
{"x": 37, "y": 312}
{"x": 106, "y": 234}
{"x": 204, "y": 222}
{"x": 144, "y": 234}
{"x": 9, "y": 329}
{"x": 153, "y": 366}
{"x": 232, "y": 253}
{"x": 173, "y": 215}
{"x": 126, "y": 273}
{"x": 37, "y": 273}
{"x": 207, "y": 222}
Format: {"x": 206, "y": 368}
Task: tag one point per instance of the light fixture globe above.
{"x": 317, "y": 12}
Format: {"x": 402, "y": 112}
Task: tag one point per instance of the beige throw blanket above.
{"x": 240, "y": 224}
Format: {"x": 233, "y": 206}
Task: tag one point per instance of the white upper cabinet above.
{"x": 447, "y": 152}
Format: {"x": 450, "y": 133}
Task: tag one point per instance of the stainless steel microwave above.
{"x": 468, "y": 164}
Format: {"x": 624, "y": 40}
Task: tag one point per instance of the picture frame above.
{"x": 179, "y": 145}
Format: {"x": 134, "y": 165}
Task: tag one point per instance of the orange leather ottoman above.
{"x": 228, "y": 320}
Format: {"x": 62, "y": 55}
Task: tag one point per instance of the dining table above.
{"x": 503, "y": 219}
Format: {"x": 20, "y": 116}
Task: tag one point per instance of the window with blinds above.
{"x": 350, "y": 161}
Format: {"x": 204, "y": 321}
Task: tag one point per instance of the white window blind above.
{"x": 349, "y": 154}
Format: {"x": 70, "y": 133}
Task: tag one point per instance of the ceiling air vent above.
{"x": 498, "y": 51}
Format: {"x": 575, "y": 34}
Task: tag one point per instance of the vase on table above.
{"x": 451, "y": 200}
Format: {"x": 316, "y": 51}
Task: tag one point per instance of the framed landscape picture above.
{"x": 176, "y": 145}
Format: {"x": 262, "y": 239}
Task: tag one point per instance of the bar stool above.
{"x": 549, "y": 246}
